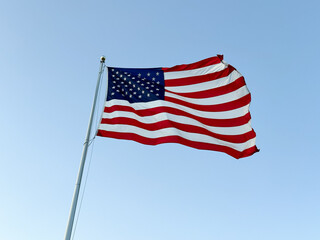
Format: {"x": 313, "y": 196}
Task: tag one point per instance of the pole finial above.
{"x": 102, "y": 59}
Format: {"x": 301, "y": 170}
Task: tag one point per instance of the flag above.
{"x": 204, "y": 105}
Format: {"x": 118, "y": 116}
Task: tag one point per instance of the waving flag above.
{"x": 204, "y": 105}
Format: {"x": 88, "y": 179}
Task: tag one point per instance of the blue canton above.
{"x": 135, "y": 85}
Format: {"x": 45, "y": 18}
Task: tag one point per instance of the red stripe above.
{"x": 200, "y": 64}
{"x": 178, "y": 139}
{"x": 199, "y": 79}
{"x": 214, "y": 92}
{"x": 241, "y": 138}
{"x": 233, "y": 122}
{"x": 214, "y": 108}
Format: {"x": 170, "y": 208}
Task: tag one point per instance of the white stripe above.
{"x": 234, "y": 75}
{"x": 179, "y": 119}
{"x": 161, "y": 103}
{"x": 176, "y": 132}
{"x": 195, "y": 72}
{"x": 239, "y": 93}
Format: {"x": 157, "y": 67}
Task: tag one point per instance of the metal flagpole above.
{"x": 83, "y": 158}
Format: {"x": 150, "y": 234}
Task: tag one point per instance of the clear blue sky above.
{"x": 49, "y": 62}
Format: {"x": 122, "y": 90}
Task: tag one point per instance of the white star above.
{"x": 134, "y": 93}
{"x": 130, "y": 96}
{"x": 117, "y": 72}
{"x": 151, "y": 90}
{"x": 158, "y": 82}
{"x": 147, "y": 87}
{"x": 148, "y": 95}
{"x": 139, "y": 74}
{"x": 133, "y": 78}
{"x": 140, "y": 96}
{"x": 153, "y": 79}
{"x": 157, "y": 74}
{"x": 112, "y": 93}
{"x": 120, "y": 75}
{"x": 157, "y": 94}
{"x": 112, "y": 70}
{"x": 148, "y": 74}
{"x": 125, "y": 78}
{"x": 142, "y": 91}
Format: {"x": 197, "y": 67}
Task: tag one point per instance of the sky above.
{"x": 49, "y": 65}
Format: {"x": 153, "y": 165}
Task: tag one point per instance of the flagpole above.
{"x": 83, "y": 158}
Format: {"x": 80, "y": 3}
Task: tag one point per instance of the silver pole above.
{"x": 83, "y": 158}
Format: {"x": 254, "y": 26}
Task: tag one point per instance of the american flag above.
{"x": 204, "y": 105}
